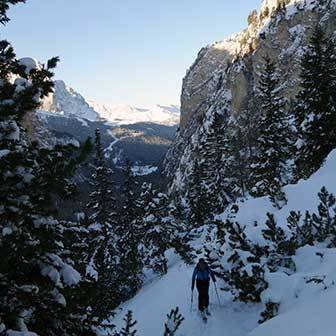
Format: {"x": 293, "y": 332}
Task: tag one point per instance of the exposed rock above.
{"x": 225, "y": 73}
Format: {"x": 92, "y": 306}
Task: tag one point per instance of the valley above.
{"x": 215, "y": 217}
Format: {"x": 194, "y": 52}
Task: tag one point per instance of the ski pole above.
{"x": 217, "y": 295}
{"x": 192, "y": 299}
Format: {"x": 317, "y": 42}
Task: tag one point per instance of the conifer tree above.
{"x": 131, "y": 261}
{"x": 36, "y": 278}
{"x": 174, "y": 321}
{"x": 199, "y": 208}
{"x": 129, "y": 328}
{"x": 176, "y": 208}
{"x": 158, "y": 233}
{"x": 281, "y": 248}
{"x": 316, "y": 227}
{"x": 4, "y": 6}
{"x": 212, "y": 150}
{"x": 303, "y": 233}
{"x": 100, "y": 249}
{"x": 270, "y": 311}
{"x": 237, "y": 158}
{"x": 316, "y": 104}
{"x": 269, "y": 169}
{"x": 102, "y": 202}
{"x": 182, "y": 237}
{"x": 324, "y": 221}
{"x": 245, "y": 274}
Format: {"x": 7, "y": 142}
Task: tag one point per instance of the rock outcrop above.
{"x": 68, "y": 102}
{"x": 225, "y": 74}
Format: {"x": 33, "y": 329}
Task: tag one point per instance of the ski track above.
{"x": 151, "y": 305}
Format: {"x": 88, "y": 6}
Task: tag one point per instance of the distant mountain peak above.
{"x": 67, "y": 101}
{"x": 129, "y": 114}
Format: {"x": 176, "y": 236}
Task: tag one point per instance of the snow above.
{"x": 29, "y": 64}
{"x": 70, "y": 276}
{"x": 269, "y": 3}
{"x": 306, "y": 297}
{"x": 4, "y": 152}
{"x": 312, "y": 317}
{"x": 155, "y": 300}
{"x": 83, "y": 122}
{"x": 21, "y": 84}
{"x": 124, "y": 114}
{"x": 290, "y": 290}
{"x": 20, "y": 333}
{"x": 58, "y": 270}
{"x": 6, "y": 231}
{"x": 52, "y": 273}
{"x": 230, "y": 45}
{"x": 143, "y": 170}
{"x": 65, "y": 142}
{"x": 112, "y": 144}
{"x": 301, "y": 197}
{"x": 91, "y": 271}
{"x": 68, "y": 102}
{"x": 297, "y": 34}
{"x": 292, "y": 5}
{"x": 11, "y": 130}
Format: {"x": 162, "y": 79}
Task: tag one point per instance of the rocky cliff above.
{"x": 68, "y": 102}
{"x": 224, "y": 75}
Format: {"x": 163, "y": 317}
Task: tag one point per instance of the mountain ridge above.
{"x": 67, "y": 101}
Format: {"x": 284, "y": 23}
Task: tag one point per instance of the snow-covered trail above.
{"x": 151, "y": 305}
{"x": 114, "y": 142}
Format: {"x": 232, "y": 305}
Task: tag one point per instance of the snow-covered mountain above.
{"x": 126, "y": 114}
{"x": 224, "y": 76}
{"x": 66, "y": 101}
{"x": 141, "y": 135}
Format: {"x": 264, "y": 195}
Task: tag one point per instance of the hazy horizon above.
{"x": 123, "y": 52}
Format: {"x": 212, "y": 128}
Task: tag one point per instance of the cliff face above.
{"x": 203, "y": 77}
{"x": 68, "y": 102}
{"x": 225, "y": 74}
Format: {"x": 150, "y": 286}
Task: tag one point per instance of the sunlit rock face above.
{"x": 225, "y": 74}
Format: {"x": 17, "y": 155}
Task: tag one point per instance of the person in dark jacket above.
{"x": 201, "y": 275}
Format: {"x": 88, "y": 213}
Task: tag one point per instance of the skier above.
{"x": 202, "y": 274}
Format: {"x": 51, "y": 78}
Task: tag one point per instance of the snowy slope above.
{"x": 307, "y": 309}
{"x": 312, "y": 317}
{"x": 155, "y": 300}
{"x": 127, "y": 114}
{"x": 301, "y": 197}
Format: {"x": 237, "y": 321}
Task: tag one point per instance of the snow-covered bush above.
{"x": 238, "y": 262}
{"x": 255, "y": 271}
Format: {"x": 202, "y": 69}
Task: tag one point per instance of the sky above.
{"x": 123, "y": 51}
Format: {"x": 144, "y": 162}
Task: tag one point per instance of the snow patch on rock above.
{"x": 143, "y": 170}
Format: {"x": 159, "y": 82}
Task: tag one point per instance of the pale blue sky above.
{"x": 124, "y": 51}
